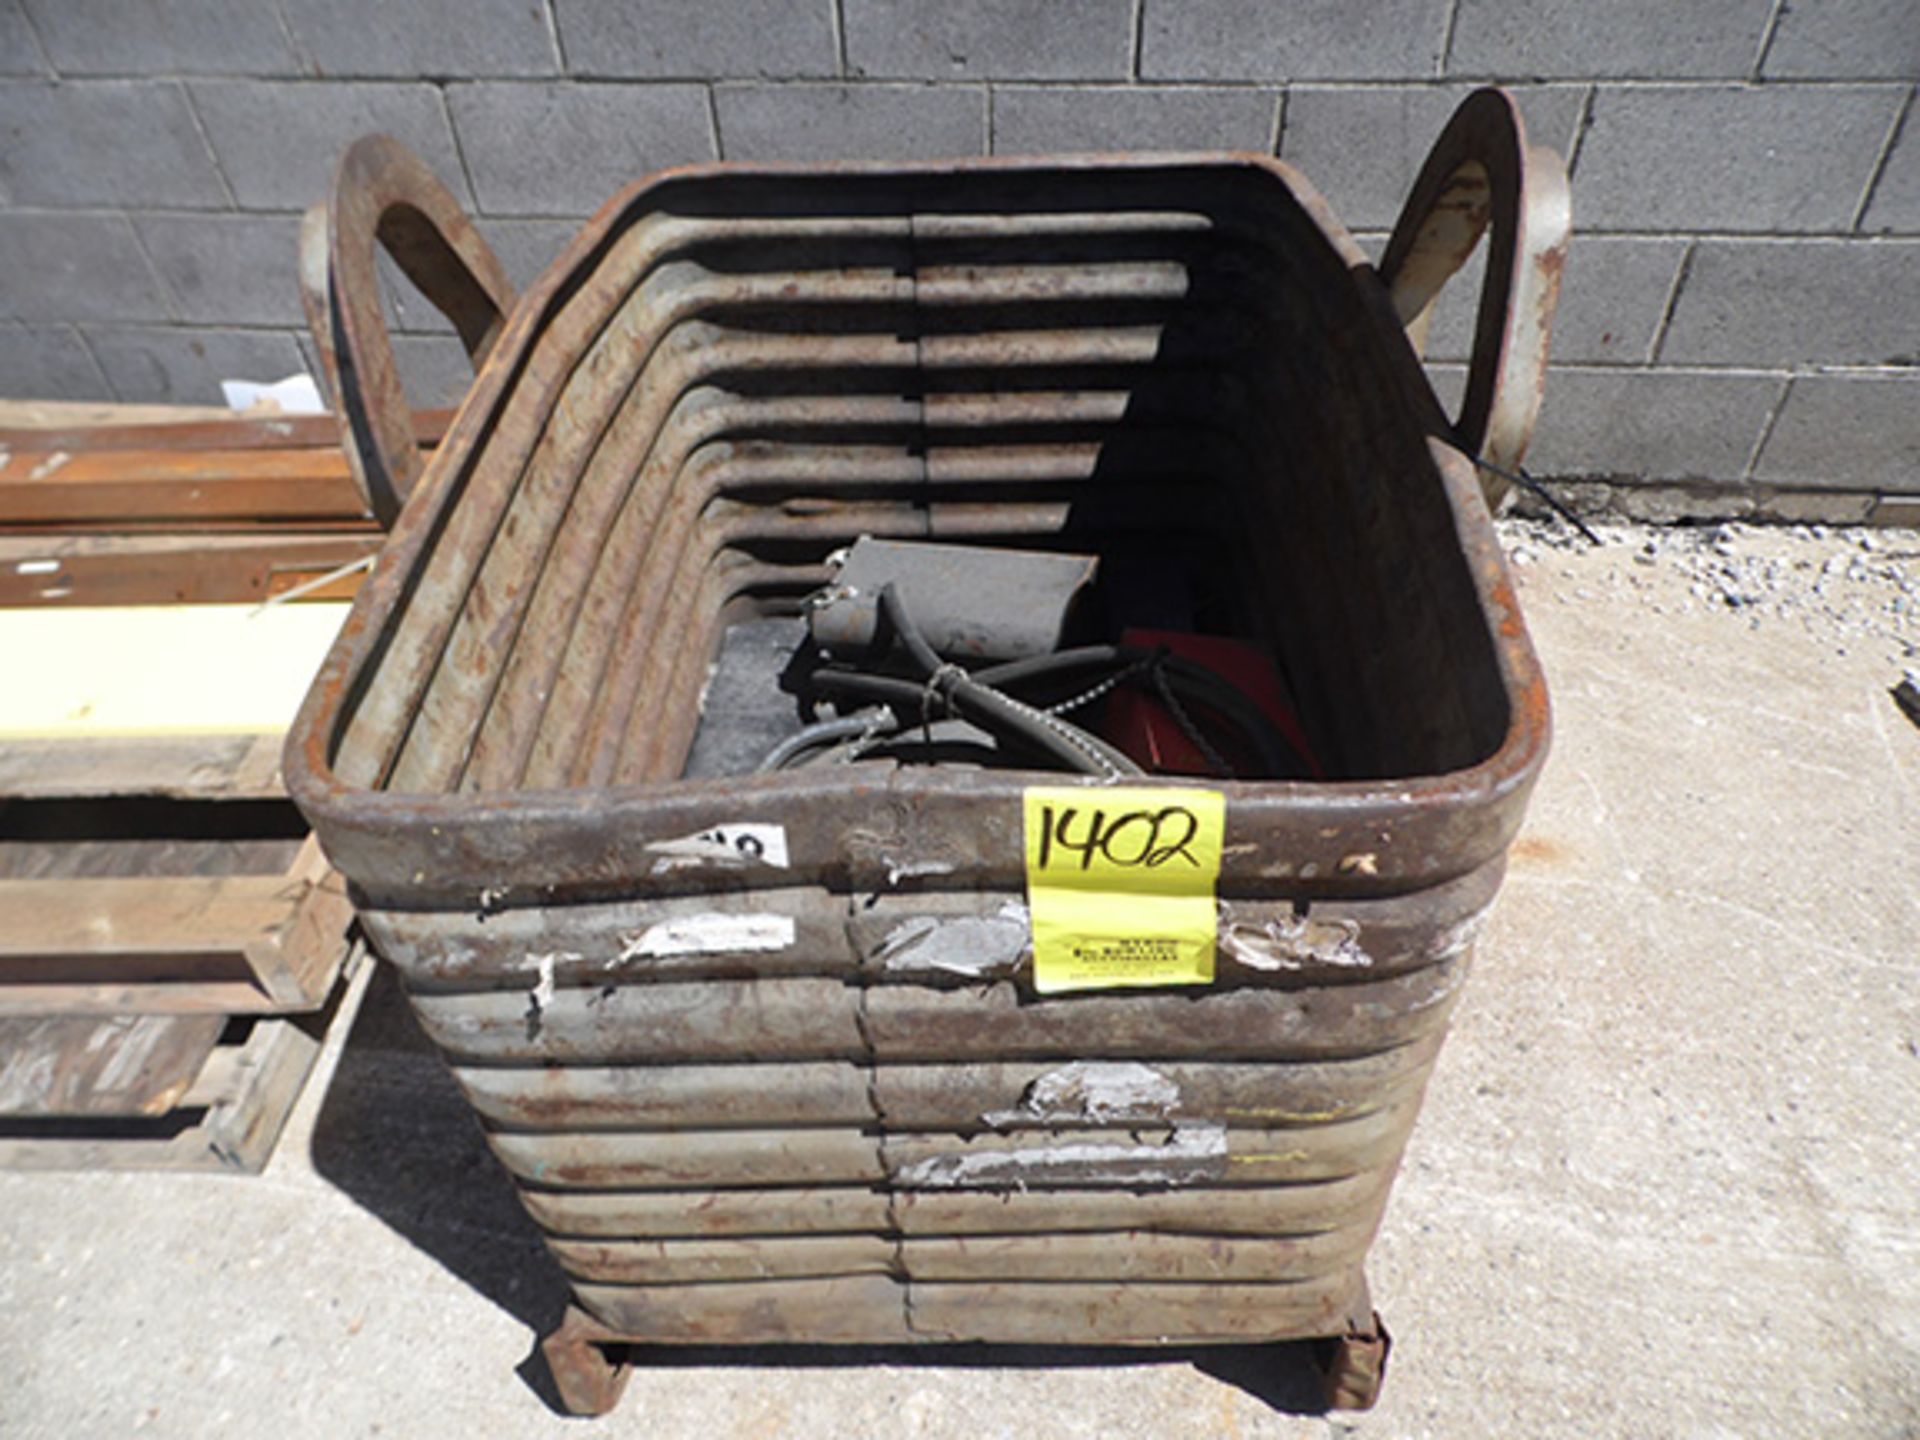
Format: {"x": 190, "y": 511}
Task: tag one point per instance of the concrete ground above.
{"x": 1667, "y": 1181}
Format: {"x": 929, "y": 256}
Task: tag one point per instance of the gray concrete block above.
{"x": 1612, "y": 297}
{"x": 278, "y": 143}
{"x": 851, "y": 122}
{"x": 20, "y": 52}
{"x": 989, "y": 39}
{"x": 1846, "y": 40}
{"x": 1780, "y": 158}
{"x": 163, "y": 37}
{"x": 1895, "y": 207}
{"x": 1623, "y": 39}
{"x": 563, "y": 149}
{"x": 185, "y": 367}
{"x": 406, "y": 308}
{"x": 1302, "y": 40}
{"x": 1363, "y": 147}
{"x": 1650, "y": 424}
{"x": 61, "y": 266}
{"x": 423, "y": 38}
{"x": 434, "y": 370}
{"x": 1848, "y": 432}
{"x": 1054, "y": 119}
{"x": 671, "y": 40}
{"x": 1784, "y": 303}
{"x": 48, "y": 362}
{"x": 527, "y": 247}
{"x": 1611, "y": 300}
{"x": 228, "y": 269}
{"x": 103, "y": 142}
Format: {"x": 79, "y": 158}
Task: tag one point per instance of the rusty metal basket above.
{"x": 799, "y": 1121}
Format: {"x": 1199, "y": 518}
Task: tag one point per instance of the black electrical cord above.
{"x": 1193, "y": 683}
{"x": 998, "y": 713}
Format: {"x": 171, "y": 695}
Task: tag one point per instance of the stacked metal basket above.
{"x": 763, "y": 1053}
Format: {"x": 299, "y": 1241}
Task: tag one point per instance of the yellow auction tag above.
{"x": 1120, "y": 885}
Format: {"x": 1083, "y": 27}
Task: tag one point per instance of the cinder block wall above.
{"x": 1742, "y": 307}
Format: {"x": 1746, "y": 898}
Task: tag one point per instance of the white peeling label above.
{"x": 745, "y": 844}
{"x": 711, "y": 935}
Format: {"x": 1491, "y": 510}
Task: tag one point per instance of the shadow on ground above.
{"x": 1283, "y": 1376}
{"x": 396, "y": 1135}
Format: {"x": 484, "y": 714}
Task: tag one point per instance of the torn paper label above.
{"x": 1192, "y": 1155}
{"x": 295, "y": 395}
{"x": 730, "y": 845}
{"x": 542, "y": 993}
{"x": 1293, "y": 942}
{"x": 1097, "y": 1092}
{"x": 970, "y": 945}
{"x": 715, "y": 934}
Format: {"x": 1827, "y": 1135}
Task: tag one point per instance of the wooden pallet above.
{"x": 227, "y": 1117}
{"x": 207, "y": 511}
{"x": 173, "y": 944}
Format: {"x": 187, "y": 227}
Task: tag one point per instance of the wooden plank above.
{"x": 261, "y": 1077}
{"x": 63, "y": 489}
{"x": 49, "y": 427}
{"x": 86, "y": 416}
{"x": 166, "y": 569}
{"x": 180, "y": 767}
{"x": 175, "y": 669}
{"x": 237, "y": 944}
{"x": 101, "y": 1065}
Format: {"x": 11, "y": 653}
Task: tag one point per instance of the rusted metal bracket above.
{"x": 1354, "y": 1366}
{"x": 1482, "y": 172}
{"x": 384, "y": 193}
{"x": 588, "y": 1364}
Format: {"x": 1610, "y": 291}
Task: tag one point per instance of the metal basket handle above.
{"x": 383, "y": 192}
{"x": 1481, "y": 171}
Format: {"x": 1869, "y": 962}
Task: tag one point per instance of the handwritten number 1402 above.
{"x": 1127, "y": 840}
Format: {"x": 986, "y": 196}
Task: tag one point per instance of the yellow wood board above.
{"x": 159, "y": 669}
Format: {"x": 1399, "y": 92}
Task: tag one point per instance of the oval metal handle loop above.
{"x": 1481, "y": 172}
{"x": 384, "y": 194}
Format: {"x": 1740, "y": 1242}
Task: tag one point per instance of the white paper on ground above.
{"x": 295, "y": 395}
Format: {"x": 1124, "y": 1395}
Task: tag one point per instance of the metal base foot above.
{"x": 1354, "y": 1365}
{"x": 581, "y": 1357}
